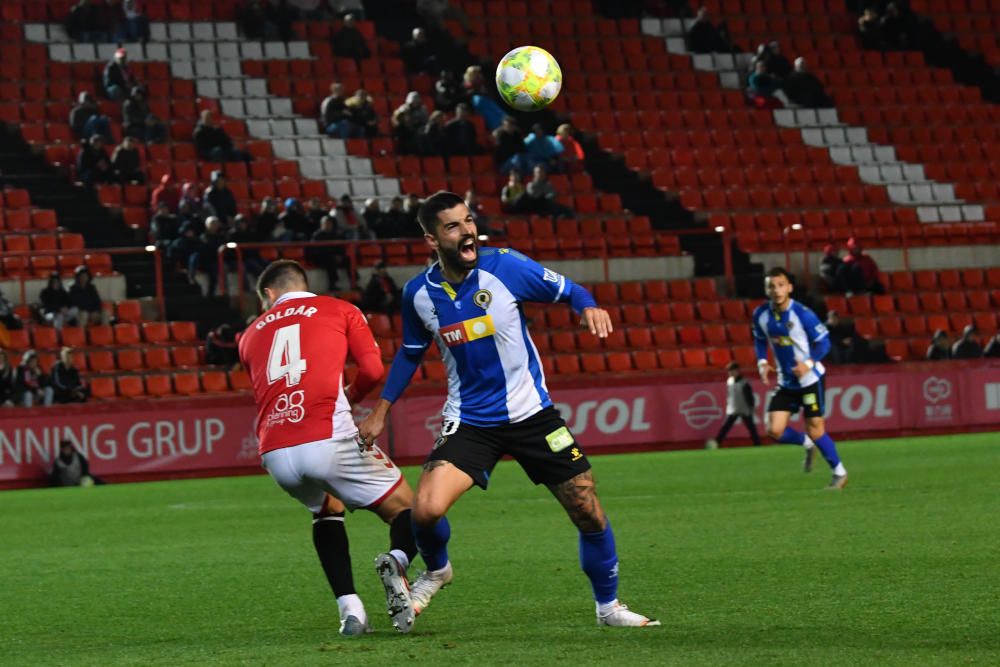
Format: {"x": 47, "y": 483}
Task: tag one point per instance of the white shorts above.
{"x": 308, "y": 472}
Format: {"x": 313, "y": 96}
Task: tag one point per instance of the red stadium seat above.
{"x": 131, "y": 386}
{"x": 159, "y": 385}
{"x": 103, "y": 388}
{"x": 186, "y": 384}
{"x": 215, "y": 381}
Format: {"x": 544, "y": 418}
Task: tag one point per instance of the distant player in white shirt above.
{"x": 470, "y": 304}
{"x": 798, "y": 341}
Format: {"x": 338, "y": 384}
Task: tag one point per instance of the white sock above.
{"x": 808, "y": 442}
{"x": 401, "y": 558}
{"x": 351, "y": 605}
{"x": 840, "y": 470}
{"x": 605, "y": 608}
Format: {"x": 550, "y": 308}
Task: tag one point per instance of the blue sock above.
{"x": 828, "y": 449}
{"x": 432, "y": 542}
{"x": 599, "y": 560}
{"x": 792, "y": 437}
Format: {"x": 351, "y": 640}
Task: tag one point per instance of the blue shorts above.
{"x": 811, "y": 400}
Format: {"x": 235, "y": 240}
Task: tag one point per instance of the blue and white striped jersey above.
{"x": 494, "y": 370}
{"x": 794, "y": 335}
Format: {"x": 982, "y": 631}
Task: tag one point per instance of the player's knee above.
{"x": 427, "y": 511}
{"x": 774, "y": 433}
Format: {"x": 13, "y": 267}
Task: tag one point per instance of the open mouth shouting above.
{"x": 468, "y": 250}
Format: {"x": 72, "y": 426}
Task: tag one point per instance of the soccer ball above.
{"x": 529, "y": 78}
{"x": 712, "y": 444}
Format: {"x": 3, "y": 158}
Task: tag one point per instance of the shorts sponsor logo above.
{"x": 288, "y": 408}
{"x": 576, "y": 454}
{"x": 700, "y": 410}
{"x": 560, "y": 439}
{"x": 466, "y": 331}
{"x": 809, "y": 399}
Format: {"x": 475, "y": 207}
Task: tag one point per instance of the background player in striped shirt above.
{"x": 295, "y": 354}
{"x": 470, "y": 304}
{"x": 798, "y": 341}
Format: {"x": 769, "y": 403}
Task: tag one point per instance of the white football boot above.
{"x": 397, "y": 592}
{"x": 427, "y": 584}
{"x": 621, "y": 616}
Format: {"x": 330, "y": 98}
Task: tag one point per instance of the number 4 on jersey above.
{"x": 285, "y": 360}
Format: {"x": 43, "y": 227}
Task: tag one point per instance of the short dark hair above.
{"x": 732, "y": 366}
{"x": 442, "y": 200}
{"x": 778, "y": 271}
{"x": 281, "y": 274}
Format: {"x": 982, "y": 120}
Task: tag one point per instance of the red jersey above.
{"x": 295, "y": 354}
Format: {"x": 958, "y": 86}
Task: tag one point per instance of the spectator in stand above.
{"x": 66, "y": 383}
{"x": 134, "y": 26}
{"x": 81, "y": 113}
{"x": 474, "y": 82}
{"x": 56, "y": 306}
{"x": 71, "y": 468}
{"x": 894, "y": 29}
{"x": 381, "y": 294}
{"x": 8, "y": 318}
{"x": 166, "y": 193}
{"x": 266, "y": 219}
{"x": 31, "y": 384}
{"x": 361, "y": 113}
{"x": 212, "y": 142}
{"x": 221, "y": 200}
{"x": 8, "y": 380}
{"x": 127, "y": 162}
{"x": 939, "y": 348}
{"x": 869, "y": 29}
{"x": 220, "y": 346}
{"x": 539, "y": 150}
{"x": 571, "y": 158}
{"x": 478, "y": 212}
{"x": 433, "y": 138}
{"x": 348, "y": 42}
{"x": 252, "y": 19}
{"x": 395, "y": 221}
{"x": 777, "y": 64}
{"x": 117, "y": 79}
{"x": 138, "y": 121}
{"x": 761, "y": 87}
{"x": 513, "y": 196}
{"x": 203, "y": 262}
{"x": 862, "y": 272}
{"x": 334, "y": 117}
{"x": 703, "y": 37}
{"x": 316, "y": 211}
{"x": 98, "y": 125}
{"x": 410, "y": 207}
{"x": 829, "y": 269}
{"x": 843, "y": 340}
{"x": 281, "y": 17}
{"x": 372, "y": 215}
{"x": 508, "y": 140}
{"x": 164, "y": 226}
{"x": 447, "y": 91}
{"x": 191, "y": 201}
{"x": 490, "y": 111}
{"x": 418, "y": 53}
{"x": 344, "y": 7}
{"x": 295, "y": 220}
{"x": 350, "y": 225}
{"x": 242, "y": 231}
{"x": 83, "y": 25}
{"x": 93, "y": 164}
{"x": 804, "y": 89}
{"x": 967, "y": 346}
{"x": 182, "y": 248}
{"x": 542, "y": 196}
{"x": 85, "y": 302}
{"x": 407, "y": 121}
{"x": 460, "y": 133}
{"x": 328, "y": 258}
{"x": 993, "y": 347}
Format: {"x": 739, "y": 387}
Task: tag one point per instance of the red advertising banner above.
{"x": 183, "y": 436}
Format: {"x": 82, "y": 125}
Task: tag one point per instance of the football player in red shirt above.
{"x": 295, "y": 354}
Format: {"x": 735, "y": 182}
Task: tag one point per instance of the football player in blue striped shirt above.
{"x": 798, "y": 341}
{"x": 469, "y": 303}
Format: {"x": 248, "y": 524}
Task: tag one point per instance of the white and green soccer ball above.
{"x": 529, "y": 78}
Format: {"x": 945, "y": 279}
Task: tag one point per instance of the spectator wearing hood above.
{"x": 191, "y": 198}
{"x": 348, "y": 42}
{"x": 164, "y": 226}
{"x": 93, "y": 164}
{"x": 84, "y": 109}
{"x": 221, "y": 199}
{"x": 118, "y": 79}
{"x": 829, "y": 269}
{"x": 31, "y": 383}
{"x": 84, "y": 299}
{"x": 183, "y": 247}
{"x": 862, "y": 271}
{"x": 127, "y": 162}
{"x": 166, "y": 193}
{"x": 967, "y": 346}
{"x": 138, "y": 121}
{"x": 213, "y": 143}
{"x": 407, "y": 121}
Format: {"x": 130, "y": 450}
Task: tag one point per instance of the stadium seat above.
{"x": 44, "y": 338}
{"x": 129, "y": 311}
{"x": 131, "y": 386}
{"x": 592, "y": 362}
{"x": 103, "y": 388}
{"x": 186, "y": 384}
{"x": 159, "y": 385}
{"x": 157, "y": 358}
{"x": 73, "y": 336}
{"x": 130, "y": 360}
{"x": 155, "y": 332}
{"x": 126, "y": 334}
{"x": 239, "y": 380}
{"x": 184, "y": 356}
{"x": 183, "y": 332}
{"x": 214, "y": 381}
{"x": 101, "y": 361}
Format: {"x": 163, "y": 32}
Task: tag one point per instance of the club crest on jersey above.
{"x": 482, "y": 298}
{"x": 466, "y": 331}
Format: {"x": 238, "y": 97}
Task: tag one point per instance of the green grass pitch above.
{"x": 745, "y": 559}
